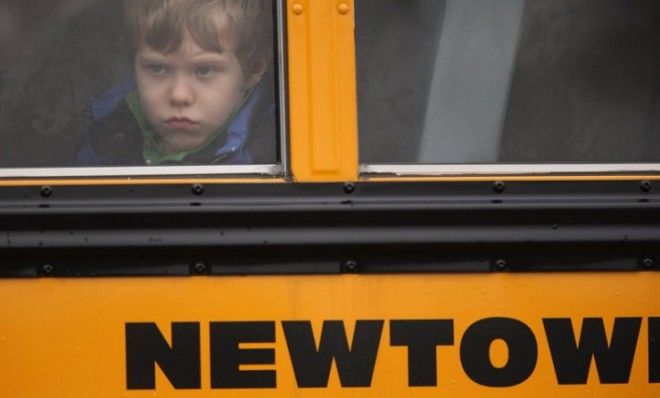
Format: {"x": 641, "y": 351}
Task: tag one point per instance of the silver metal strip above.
{"x": 283, "y": 87}
{"x": 507, "y": 169}
{"x": 135, "y": 171}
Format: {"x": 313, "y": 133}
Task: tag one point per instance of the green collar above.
{"x": 151, "y": 149}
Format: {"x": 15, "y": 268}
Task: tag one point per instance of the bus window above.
{"x": 94, "y": 84}
{"x": 505, "y": 82}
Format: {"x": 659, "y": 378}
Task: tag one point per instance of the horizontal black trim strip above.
{"x": 328, "y": 228}
{"x": 376, "y": 234}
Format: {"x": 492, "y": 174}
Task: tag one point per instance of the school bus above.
{"x": 464, "y": 202}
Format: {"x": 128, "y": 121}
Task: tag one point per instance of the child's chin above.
{"x": 182, "y": 141}
{"x": 183, "y": 145}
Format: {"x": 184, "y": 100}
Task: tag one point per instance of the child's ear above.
{"x": 257, "y": 73}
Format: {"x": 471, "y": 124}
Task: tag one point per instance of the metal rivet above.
{"x": 298, "y": 8}
{"x": 197, "y": 189}
{"x": 349, "y": 187}
{"x": 46, "y": 191}
{"x": 646, "y": 186}
{"x": 199, "y": 268}
{"x": 350, "y": 265}
{"x": 499, "y": 187}
{"x": 343, "y": 8}
{"x": 500, "y": 264}
{"x": 47, "y": 269}
{"x": 648, "y": 263}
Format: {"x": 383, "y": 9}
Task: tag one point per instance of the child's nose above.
{"x": 182, "y": 93}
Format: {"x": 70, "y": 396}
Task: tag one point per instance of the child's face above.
{"x": 189, "y": 94}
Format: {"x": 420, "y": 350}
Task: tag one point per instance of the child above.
{"x": 196, "y": 96}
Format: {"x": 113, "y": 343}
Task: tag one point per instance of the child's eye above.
{"x": 157, "y": 69}
{"x": 205, "y": 71}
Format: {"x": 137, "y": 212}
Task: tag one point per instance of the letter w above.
{"x": 613, "y": 361}
{"x": 355, "y": 365}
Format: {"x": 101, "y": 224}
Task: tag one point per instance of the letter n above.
{"x": 146, "y": 346}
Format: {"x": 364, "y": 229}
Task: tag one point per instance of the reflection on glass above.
{"x": 508, "y": 81}
{"x": 171, "y": 82}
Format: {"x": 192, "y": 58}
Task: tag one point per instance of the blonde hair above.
{"x": 245, "y": 25}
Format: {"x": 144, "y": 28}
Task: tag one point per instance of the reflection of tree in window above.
{"x": 72, "y": 51}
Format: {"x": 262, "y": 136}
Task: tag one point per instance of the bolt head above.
{"x": 349, "y": 187}
{"x": 197, "y": 189}
{"x": 350, "y": 265}
{"x": 199, "y": 268}
{"x": 499, "y": 186}
{"x": 47, "y": 269}
{"x": 646, "y": 186}
{"x": 46, "y": 191}
{"x": 297, "y": 8}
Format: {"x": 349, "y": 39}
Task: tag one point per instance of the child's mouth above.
{"x": 181, "y": 123}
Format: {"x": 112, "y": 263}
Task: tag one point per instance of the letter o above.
{"x": 475, "y": 352}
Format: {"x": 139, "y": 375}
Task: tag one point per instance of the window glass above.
{"x": 97, "y": 83}
{"x": 508, "y": 81}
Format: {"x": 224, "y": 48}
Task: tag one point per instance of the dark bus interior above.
{"x": 585, "y": 84}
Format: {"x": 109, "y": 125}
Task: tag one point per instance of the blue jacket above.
{"x": 115, "y": 137}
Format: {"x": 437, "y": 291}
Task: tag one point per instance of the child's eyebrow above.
{"x": 207, "y": 56}
{"x": 216, "y": 49}
{"x": 155, "y": 57}
{"x": 148, "y": 53}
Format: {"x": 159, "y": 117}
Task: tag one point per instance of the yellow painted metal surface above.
{"x": 322, "y": 90}
{"x": 66, "y": 337}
